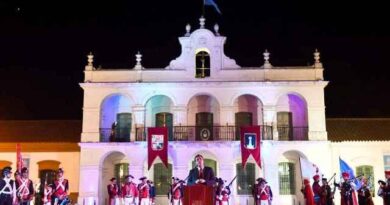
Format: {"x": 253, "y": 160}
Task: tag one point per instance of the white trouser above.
{"x": 145, "y": 201}
{"x": 129, "y": 201}
{"x": 177, "y": 202}
{"x": 264, "y": 202}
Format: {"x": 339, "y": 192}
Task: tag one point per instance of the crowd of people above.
{"x": 20, "y": 190}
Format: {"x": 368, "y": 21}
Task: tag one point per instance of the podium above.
{"x": 198, "y": 195}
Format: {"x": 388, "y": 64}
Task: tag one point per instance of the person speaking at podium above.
{"x": 201, "y": 174}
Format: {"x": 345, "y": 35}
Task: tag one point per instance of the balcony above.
{"x": 215, "y": 133}
{"x": 183, "y": 133}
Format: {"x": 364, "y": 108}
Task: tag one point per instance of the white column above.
{"x": 317, "y": 123}
{"x": 179, "y": 115}
{"x": 91, "y": 124}
{"x": 227, "y": 115}
{"x": 270, "y": 119}
{"x": 89, "y": 185}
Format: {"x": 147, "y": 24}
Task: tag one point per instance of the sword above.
{"x": 231, "y": 182}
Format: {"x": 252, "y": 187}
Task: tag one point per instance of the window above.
{"x": 202, "y": 65}
{"x": 368, "y": 172}
{"x": 245, "y": 178}
{"x": 286, "y": 178}
{"x": 121, "y": 170}
{"x": 386, "y": 161}
{"x": 162, "y": 178}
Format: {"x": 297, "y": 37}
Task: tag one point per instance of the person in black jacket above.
{"x": 201, "y": 174}
{"x": 7, "y": 188}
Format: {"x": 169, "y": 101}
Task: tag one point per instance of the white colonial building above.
{"x": 203, "y": 97}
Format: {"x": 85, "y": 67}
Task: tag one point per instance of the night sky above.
{"x": 43, "y": 46}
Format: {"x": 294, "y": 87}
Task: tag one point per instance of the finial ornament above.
{"x": 216, "y": 29}
{"x": 317, "y": 62}
{"x": 90, "y": 59}
{"x": 89, "y": 66}
{"x": 138, "y": 59}
{"x": 188, "y": 30}
{"x": 266, "y": 55}
{"x": 202, "y": 21}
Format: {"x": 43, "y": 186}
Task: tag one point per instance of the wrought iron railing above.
{"x": 115, "y": 135}
{"x": 199, "y": 133}
{"x": 287, "y": 133}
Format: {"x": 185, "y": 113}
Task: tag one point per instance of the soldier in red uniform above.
{"x": 47, "y": 194}
{"x": 316, "y": 187}
{"x": 61, "y": 188}
{"x": 7, "y": 188}
{"x": 143, "y": 189}
{"x": 347, "y": 191}
{"x": 326, "y": 195}
{"x": 364, "y": 195}
{"x": 307, "y": 192}
{"x": 113, "y": 192}
{"x": 222, "y": 193}
{"x": 262, "y": 193}
{"x": 130, "y": 191}
{"x": 384, "y": 189}
{"x": 24, "y": 188}
{"x": 176, "y": 192}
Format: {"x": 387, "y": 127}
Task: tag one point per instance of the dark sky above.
{"x": 43, "y": 44}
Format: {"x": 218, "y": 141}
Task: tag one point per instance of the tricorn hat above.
{"x": 142, "y": 178}
{"x": 112, "y": 179}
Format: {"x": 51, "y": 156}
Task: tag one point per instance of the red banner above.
{"x": 250, "y": 144}
{"x": 19, "y": 160}
{"x": 157, "y": 145}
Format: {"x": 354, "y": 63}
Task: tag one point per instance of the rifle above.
{"x": 331, "y": 178}
{"x": 231, "y": 182}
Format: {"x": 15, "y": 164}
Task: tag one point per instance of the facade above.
{"x": 203, "y": 97}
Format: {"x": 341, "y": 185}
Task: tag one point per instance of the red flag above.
{"x": 157, "y": 145}
{"x": 19, "y": 160}
{"x": 250, "y": 144}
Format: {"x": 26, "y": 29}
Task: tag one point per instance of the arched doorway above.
{"x": 116, "y": 165}
{"x": 115, "y": 119}
{"x": 159, "y": 113}
{"x": 248, "y": 111}
{"x": 292, "y": 123}
{"x": 203, "y": 112}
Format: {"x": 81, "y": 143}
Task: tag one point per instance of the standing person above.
{"x": 130, "y": 191}
{"x": 47, "y": 194}
{"x": 201, "y": 174}
{"x": 347, "y": 190}
{"x": 7, "y": 188}
{"x": 222, "y": 193}
{"x": 316, "y": 187}
{"x": 325, "y": 193}
{"x": 384, "y": 189}
{"x": 364, "y": 194}
{"x": 24, "y": 188}
{"x": 263, "y": 193}
{"x": 113, "y": 192}
{"x": 152, "y": 191}
{"x": 143, "y": 189}
{"x": 307, "y": 192}
{"x": 176, "y": 192}
{"x": 61, "y": 188}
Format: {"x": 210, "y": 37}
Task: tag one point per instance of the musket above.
{"x": 331, "y": 178}
{"x": 231, "y": 182}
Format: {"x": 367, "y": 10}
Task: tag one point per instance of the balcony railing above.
{"x": 287, "y": 133}
{"x": 199, "y": 133}
{"x": 214, "y": 133}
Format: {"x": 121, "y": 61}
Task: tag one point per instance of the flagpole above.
{"x": 203, "y": 10}
{"x": 300, "y": 167}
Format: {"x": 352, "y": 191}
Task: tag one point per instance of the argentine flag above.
{"x": 344, "y": 167}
